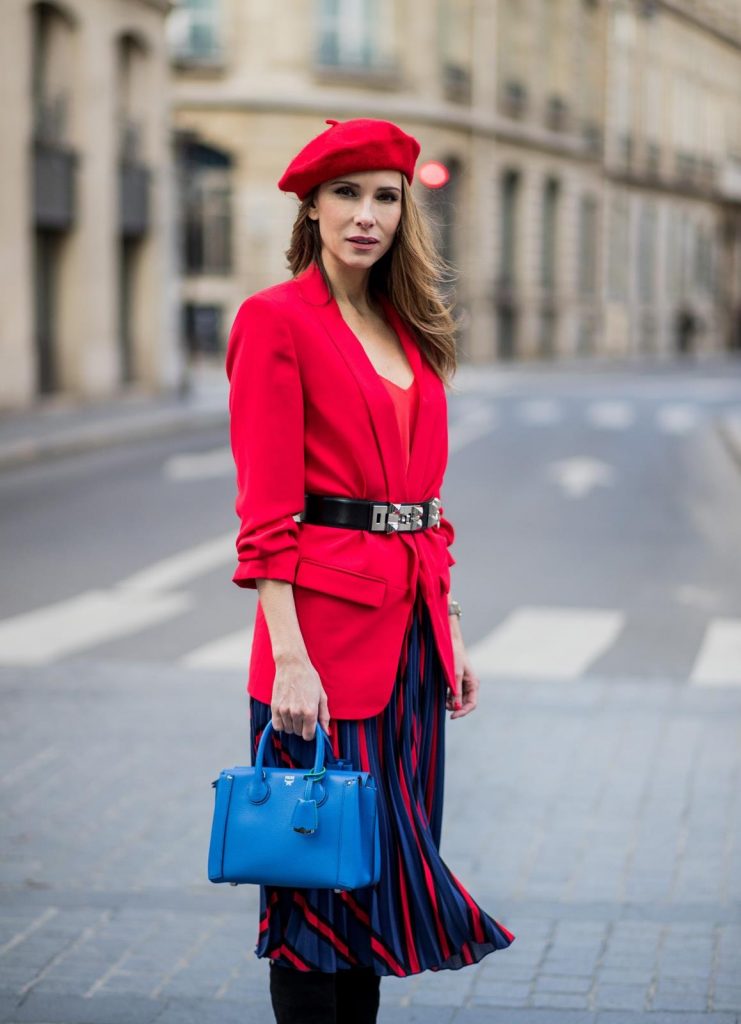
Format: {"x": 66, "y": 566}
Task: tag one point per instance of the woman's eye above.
{"x": 344, "y": 190}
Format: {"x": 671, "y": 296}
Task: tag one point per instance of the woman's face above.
{"x": 357, "y": 205}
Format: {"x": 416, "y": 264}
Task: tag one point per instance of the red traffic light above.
{"x": 433, "y": 174}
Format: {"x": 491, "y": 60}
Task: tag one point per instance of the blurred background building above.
{"x": 594, "y": 150}
{"x": 86, "y": 204}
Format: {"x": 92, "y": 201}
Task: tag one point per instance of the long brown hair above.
{"x": 411, "y": 274}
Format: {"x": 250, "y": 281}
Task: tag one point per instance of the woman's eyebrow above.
{"x": 355, "y": 184}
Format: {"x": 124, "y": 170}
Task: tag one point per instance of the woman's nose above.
{"x": 365, "y": 214}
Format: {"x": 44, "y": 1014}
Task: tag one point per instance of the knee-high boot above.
{"x": 302, "y": 997}
{"x": 358, "y": 995}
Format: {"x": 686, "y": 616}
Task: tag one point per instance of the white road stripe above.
{"x": 546, "y": 643}
{"x": 228, "y": 652}
{"x": 476, "y": 422}
{"x": 610, "y": 415}
{"x": 200, "y": 465}
{"x": 677, "y": 418}
{"x": 41, "y": 636}
{"x": 540, "y": 412}
{"x": 718, "y": 662}
{"x": 175, "y": 570}
{"x": 578, "y": 476}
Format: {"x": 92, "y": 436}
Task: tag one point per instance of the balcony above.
{"x": 54, "y": 186}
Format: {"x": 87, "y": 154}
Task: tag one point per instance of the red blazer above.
{"x": 310, "y": 413}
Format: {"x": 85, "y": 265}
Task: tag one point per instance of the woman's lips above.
{"x": 361, "y": 244}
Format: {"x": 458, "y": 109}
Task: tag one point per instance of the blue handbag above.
{"x": 292, "y": 827}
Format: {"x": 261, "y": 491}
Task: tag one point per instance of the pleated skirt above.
{"x": 418, "y": 916}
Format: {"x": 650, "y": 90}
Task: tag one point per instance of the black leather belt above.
{"x": 376, "y": 516}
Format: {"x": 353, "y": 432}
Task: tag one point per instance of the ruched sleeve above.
{"x": 267, "y": 438}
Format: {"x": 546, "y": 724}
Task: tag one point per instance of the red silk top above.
{"x": 406, "y": 401}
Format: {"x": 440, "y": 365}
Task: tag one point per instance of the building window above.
{"x": 506, "y": 306}
{"x": 194, "y": 31}
{"x": 206, "y": 209}
{"x": 646, "y": 263}
{"x": 202, "y": 329}
{"x": 508, "y": 238}
{"x": 443, "y": 207}
{"x": 454, "y": 48}
{"x": 588, "y": 246}
{"x": 548, "y": 238}
{"x": 355, "y": 34}
{"x": 619, "y": 252}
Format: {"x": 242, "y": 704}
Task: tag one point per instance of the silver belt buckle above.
{"x": 395, "y": 517}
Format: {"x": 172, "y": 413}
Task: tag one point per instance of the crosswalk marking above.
{"x": 610, "y": 415}
{"x": 227, "y": 652}
{"x": 718, "y": 662}
{"x": 550, "y": 643}
{"x": 677, "y": 418}
{"x": 578, "y": 476}
{"x": 476, "y": 422}
{"x": 175, "y": 570}
{"x": 93, "y": 617}
{"x": 96, "y": 616}
{"x": 540, "y": 411}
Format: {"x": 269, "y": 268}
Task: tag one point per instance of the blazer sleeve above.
{"x": 266, "y": 412}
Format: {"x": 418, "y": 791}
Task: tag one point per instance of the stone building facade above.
{"x": 593, "y": 206}
{"x": 86, "y": 204}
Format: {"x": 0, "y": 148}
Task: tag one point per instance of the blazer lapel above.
{"x": 378, "y": 400}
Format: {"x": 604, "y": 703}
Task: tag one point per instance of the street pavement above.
{"x": 594, "y": 812}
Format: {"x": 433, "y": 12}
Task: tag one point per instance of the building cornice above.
{"x": 471, "y": 121}
{"x": 163, "y": 6}
{"x": 680, "y": 10}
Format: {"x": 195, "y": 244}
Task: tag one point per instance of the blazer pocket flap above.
{"x": 344, "y": 583}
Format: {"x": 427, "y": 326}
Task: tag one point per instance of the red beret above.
{"x": 363, "y": 144}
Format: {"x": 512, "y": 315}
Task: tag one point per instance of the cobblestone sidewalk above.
{"x": 599, "y": 821}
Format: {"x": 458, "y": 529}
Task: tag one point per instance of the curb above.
{"x": 95, "y": 436}
{"x": 729, "y": 428}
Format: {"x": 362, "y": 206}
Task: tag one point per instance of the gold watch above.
{"x": 454, "y": 608}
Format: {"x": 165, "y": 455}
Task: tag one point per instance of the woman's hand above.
{"x": 299, "y": 699}
{"x": 466, "y": 679}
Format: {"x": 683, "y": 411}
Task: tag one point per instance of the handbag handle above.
{"x": 321, "y": 738}
{"x": 305, "y": 816}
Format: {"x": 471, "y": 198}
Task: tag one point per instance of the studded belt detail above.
{"x": 375, "y": 516}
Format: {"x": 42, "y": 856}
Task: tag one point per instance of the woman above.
{"x": 339, "y": 433}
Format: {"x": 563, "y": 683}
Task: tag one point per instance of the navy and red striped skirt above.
{"x": 419, "y": 916}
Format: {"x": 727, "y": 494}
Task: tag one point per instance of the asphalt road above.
{"x": 591, "y": 801}
{"x": 597, "y": 533}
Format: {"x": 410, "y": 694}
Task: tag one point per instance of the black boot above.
{"x": 302, "y": 997}
{"x": 358, "y": 995}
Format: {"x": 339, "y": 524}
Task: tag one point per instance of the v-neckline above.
{"x": 382, "y": 300}
{"x": 378, "y": 398}
{"x": 405, "y": 390}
